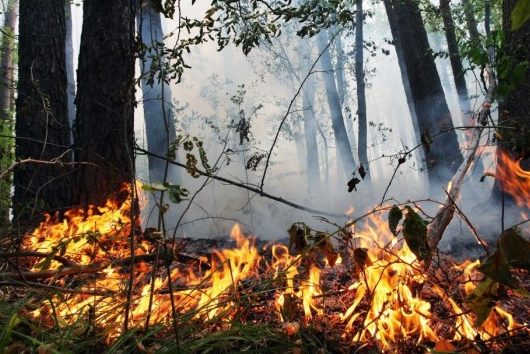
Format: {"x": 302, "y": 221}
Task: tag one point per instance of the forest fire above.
{"x": 390, "y": 299}
{"x": 513, "y": 178}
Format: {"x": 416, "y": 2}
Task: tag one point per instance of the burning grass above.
{"x": 373, "y": 294}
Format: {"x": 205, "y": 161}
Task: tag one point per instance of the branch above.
{"x": 446, "y": 212}
{"x": 257, "y": 190}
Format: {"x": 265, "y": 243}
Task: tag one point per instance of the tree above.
{"x": 514, "y": 108}
{"x": 105, "y": 100}
{"x": 70, "y": 73}
{"x": 344, "y": 152}
{"x": 6, "y": 106}
{"x": 158, "y": 114}
{"x": 310, "y": 133}
{"x": 442, "y": 153}
{"x": 454, "y": 56}
{"x": 361, "y": 96}
{"x": 42, "y": 129}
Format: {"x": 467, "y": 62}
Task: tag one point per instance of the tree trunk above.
{"x": 339, "y": 70}
{"x": 158, "y": 114}
{"x": 105, "y": 99}
{"x": 442, "y": 154}
{"x": 361, "y": 96}
{"x": 471, "y": 22}
{"x": 7, "y": 67}
{"x": 344, "y": 151}
{"x": 454, "y": 56}
{"x": 514, "y": 109}
{"x": 342, "y": 89}
{"x": 70, "y": 72}
{"x": 393, "y": 21}
{"x": 42, "y": 129}
{"x": 310, "y": 132}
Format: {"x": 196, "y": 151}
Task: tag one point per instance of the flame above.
{"x": 514, "y": 179}
{"x": 384, "y": 302}
{"x": 394, "y": 311}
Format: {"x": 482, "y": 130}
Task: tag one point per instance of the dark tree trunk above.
{"x": 454, "y": 56}
{"x": 310, "y": 132}
{"x": 344, "y": 152}
{"x": 158, "y": 114}
{"x": 443, "y": 154}
{"x": 471, "y": 22}
{"x": 105, "y": 98}
{"x": 514, "y": 109}
{"x": 361, "y": 97}
{"x": 42, "y": 129}
{"x": 7, "y": 67}
{"x": 393, "y": 21}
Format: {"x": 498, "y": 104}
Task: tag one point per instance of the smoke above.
{"x": 206, "y": 106}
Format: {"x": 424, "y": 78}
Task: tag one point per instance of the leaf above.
{"x": 362, "y": 172}
{"x": 352, "y": 183}
{"x": 177, "y": 193}
{"x": 482, "y": 299}
{"x": 520, "y": 14}
{"x": 361, "y": 258}
{"x": 324, "y": 244}
{"x": 515, "y": 248}
{"x": 153, "y": 187}
{"x": 394, "y": 217}
{"x": 415, "y": 233}
{"x": 297, "y": 237}
{"x": 512, "y": 250}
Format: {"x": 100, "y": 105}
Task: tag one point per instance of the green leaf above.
{"x": 153, "y": 187}
{"x": 415, "y": 233}
{"x": 394, "y": 217}
{"x": 177, "y": 193}
{"x": 512, "y": 251}
{"x": 520, "y": 14}
{"x": 482, "y": 299}
{"x": 515, "y": 248}
{"x": 496, "y": 267}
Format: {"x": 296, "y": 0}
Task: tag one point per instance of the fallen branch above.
{"x": 245, "y": 186}
{"x": 97, "y": 267}
{"x": 24, "y": 254}
{"x": 445, "y": 214}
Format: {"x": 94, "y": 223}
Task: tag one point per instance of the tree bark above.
{"x": 344, "y": 152}
{"x": 310, "y": 132}
{"x": 442, "y": 154}
{"x": 471, "y": 22}
{"x": 361, "y": 96}
{"x": 454, "y": 56}
{"x": 42, "y": 129}
{"x": 70, "y": 72}
{"x": 514, "y": 109}
{"x": 393, "y": 21}
{"x": 7, "y": 67}
{"x": 158, "y": 114}
{"x": 105, "y": 98}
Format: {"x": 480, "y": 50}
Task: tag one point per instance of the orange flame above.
{"x": 514, "y": 179}
{"x": 385, "y": 306}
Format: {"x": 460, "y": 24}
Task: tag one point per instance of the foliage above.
{"x": 520, "y": 14}
{"x": 512, "y": 251}
{"x": 246, "y": 24}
